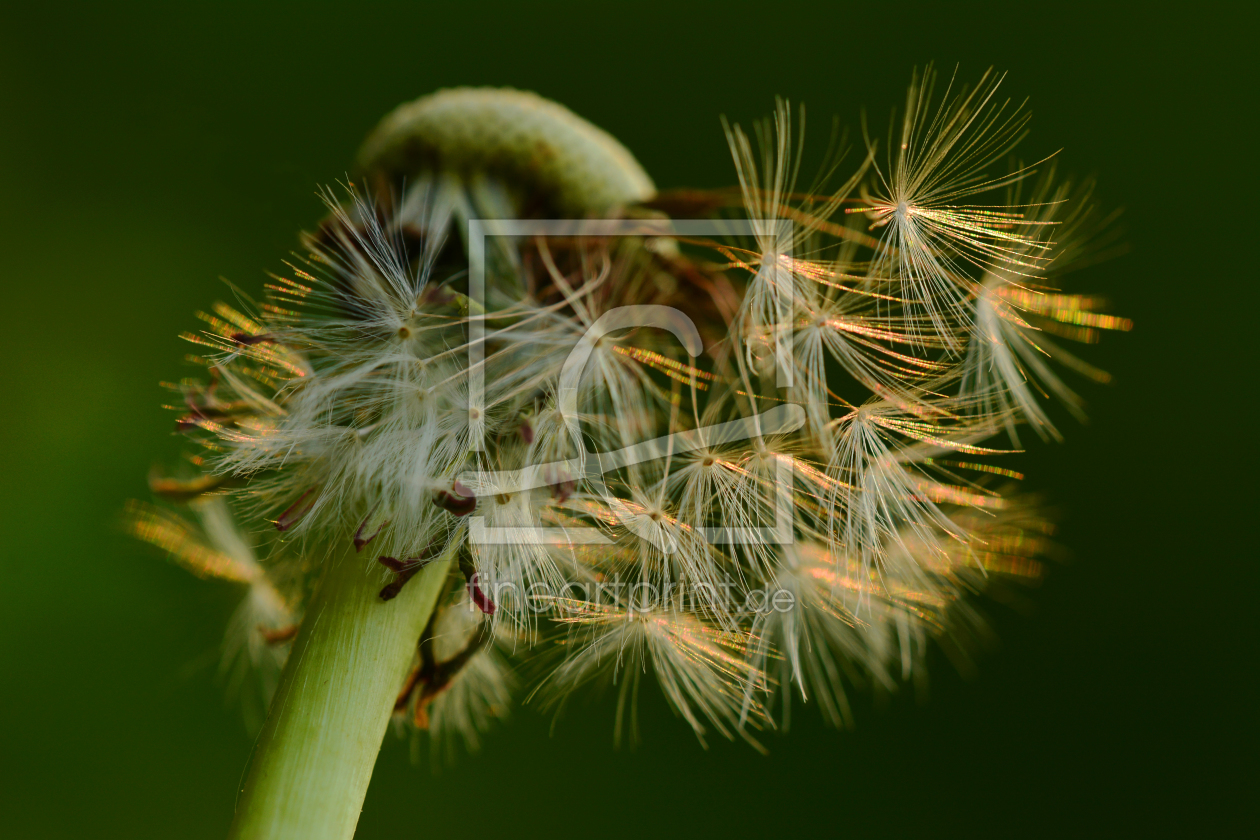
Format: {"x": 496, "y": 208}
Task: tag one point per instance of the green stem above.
{"x": 315, "y": 755}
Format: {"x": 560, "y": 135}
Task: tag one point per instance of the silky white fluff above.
{"x": 853, "y": 360}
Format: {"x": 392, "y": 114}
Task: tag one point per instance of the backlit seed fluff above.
{"x": 777, "y": 469}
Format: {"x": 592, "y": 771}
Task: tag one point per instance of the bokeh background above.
{"x": 146, "y": 151}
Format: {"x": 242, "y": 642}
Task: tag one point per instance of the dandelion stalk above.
{"x": 314, "y": 757}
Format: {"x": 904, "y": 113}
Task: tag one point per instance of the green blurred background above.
{"x": 148, "y": 150}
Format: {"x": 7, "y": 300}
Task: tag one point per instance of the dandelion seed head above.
{"x": 758, "y": 470}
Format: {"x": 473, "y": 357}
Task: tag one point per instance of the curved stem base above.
{"x": 315, "y": 755}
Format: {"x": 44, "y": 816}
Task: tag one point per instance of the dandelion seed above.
{"x": 929, "y": 241}
{"x": 1007, "y": 364}
{"x": 700, "y": 670}
{"x": 767, "y": 181}
{"x": 216, "y": 549}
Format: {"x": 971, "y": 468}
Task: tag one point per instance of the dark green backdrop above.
{"x": 147, "y": 151}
